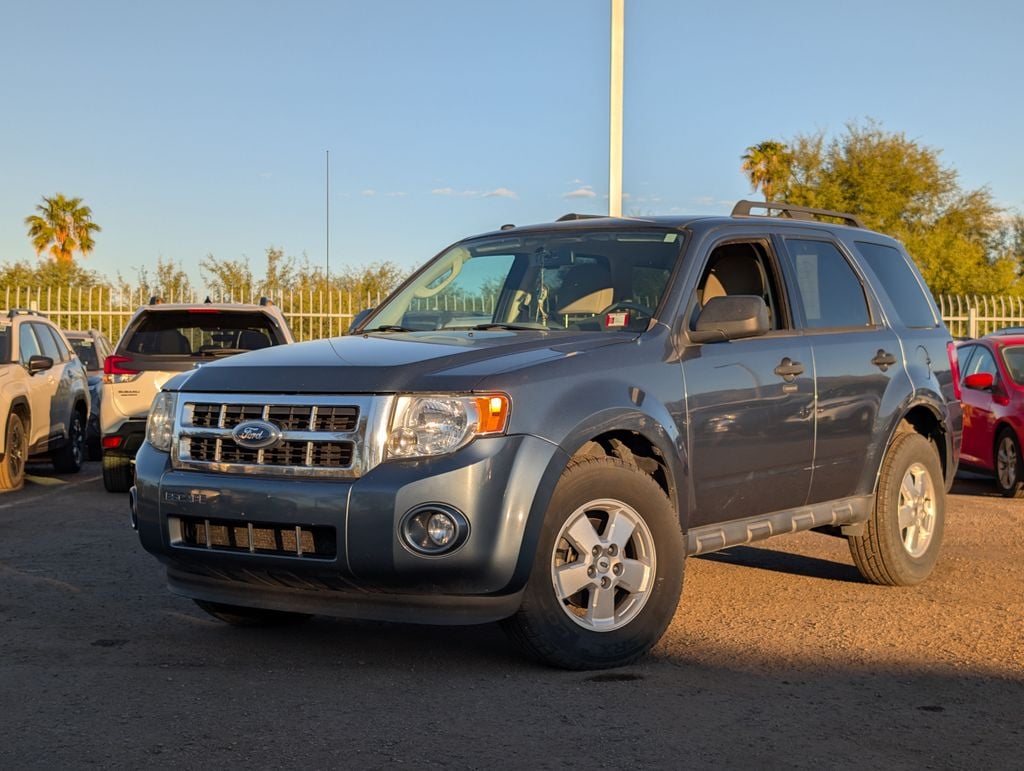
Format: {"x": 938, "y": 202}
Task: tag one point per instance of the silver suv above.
{"x": 160, "y": 341}
{"x": 44, "y": 397}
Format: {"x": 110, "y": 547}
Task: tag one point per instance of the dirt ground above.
{"x": 779, "y": 656}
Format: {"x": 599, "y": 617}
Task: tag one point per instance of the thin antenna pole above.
{"x": 615, "y": 111}
{"x": 327, "y": 216}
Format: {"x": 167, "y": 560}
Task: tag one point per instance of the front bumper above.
{"x": 501, "y": 485}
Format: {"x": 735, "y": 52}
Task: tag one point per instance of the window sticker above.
{"x": 807, "y": 279}
{"x": 617, "y": 319}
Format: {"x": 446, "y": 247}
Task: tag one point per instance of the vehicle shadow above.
{"x": 978, "y": 485}
{"x": 786, "y": 562}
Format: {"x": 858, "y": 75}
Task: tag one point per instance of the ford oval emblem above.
{"x": 256, "y": 434}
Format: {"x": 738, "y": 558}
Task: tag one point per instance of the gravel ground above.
{"x": 779, "y": 656}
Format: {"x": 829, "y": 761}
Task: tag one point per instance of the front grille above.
{"x": 320, "y": 436}
{"x": 317, "y": 542}
{"x": 286, "y": 453}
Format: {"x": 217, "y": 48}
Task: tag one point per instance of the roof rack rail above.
{"x": 574, "y": 216}
{"x": 742, "y": 209}
{"x": 24, "y": 312}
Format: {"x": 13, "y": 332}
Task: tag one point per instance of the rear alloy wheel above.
{"x": 117, "y": 473}
{"x": 12, "y": 468}
{"x": 608, "y": 569}
{"x": 1008, "y": 476}
{"x": 237, "y": 615}
{"x": 901, "y": 540}
{"x": 69, "y": 458}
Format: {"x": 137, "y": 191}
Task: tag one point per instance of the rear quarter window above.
{"x": 900, "y": 282}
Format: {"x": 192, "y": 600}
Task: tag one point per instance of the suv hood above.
{"x": 391, "y": 363}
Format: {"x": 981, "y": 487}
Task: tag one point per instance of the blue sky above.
{"x": 193, "y": 128}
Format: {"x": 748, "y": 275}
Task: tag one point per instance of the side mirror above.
{"x": 359, "y": 318}
{"x": 731, "y": 317}
{"x": 39, "y": 364}
{"x": 980, "y": 381}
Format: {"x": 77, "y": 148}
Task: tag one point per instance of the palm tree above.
{"x": 64, "y": 226}
{"x": 767, "y": 166}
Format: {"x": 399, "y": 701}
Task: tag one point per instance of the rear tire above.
{"x": 608, "y": 571}
{"x": 902, "y": 538}
{"x": 1008, "y": 464}
{"x": 117, "y": 473}
{"x": 69, "y": 458}
{"x": 237, "y": 615}
{"x": 12, "y": 468}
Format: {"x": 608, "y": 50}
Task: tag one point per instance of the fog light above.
{"x": 440, "y": 529}
{"x": 433, "y": 530}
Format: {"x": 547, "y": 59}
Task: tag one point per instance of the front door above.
{"x": 749, "y": 403}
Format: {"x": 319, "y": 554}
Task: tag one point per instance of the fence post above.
{"x": 972, "y": 321}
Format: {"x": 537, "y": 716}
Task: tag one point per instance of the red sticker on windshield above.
{"x": 617, "y": 319}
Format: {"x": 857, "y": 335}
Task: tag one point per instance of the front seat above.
{"x": 586, "y": 289}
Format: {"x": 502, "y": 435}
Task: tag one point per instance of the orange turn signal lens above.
{"x": 493, "y": 410}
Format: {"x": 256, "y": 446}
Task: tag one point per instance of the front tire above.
{"x": 902, "y": 538}
{"x": 237, "y": 615}
{"x": 1008, "y": 464}
{"x": 12, "y": 468}
{"x": 69, "y": 458}
{"x": 608, "y": 571}
{"x": 117, "y": 473}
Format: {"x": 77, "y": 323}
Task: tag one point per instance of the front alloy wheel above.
{"x": 603, "y": 564}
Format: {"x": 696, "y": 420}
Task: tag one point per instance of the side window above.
{"x": 963, "y": 355}
{"x": 28, "y": 346}
{"x": 900, "y": 283}
{"x": 830, "y": 293}
{"x": 741, "y": 267}
{"x": 982, "y": 362}
{"x": 46, "y": 341}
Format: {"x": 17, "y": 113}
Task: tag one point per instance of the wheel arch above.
{"x": 19, "y": 405}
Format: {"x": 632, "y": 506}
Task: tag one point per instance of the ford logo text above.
{"x": 256, "y": 435}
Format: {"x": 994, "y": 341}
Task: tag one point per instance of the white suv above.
{"x": 44, "y": 397}
{"x": 160, "y": 341}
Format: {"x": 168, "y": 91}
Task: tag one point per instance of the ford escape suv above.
{"x": 159, "y": 341}
{"x": 542, "y": 423}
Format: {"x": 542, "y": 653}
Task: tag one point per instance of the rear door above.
{"x": 856, "y": 357}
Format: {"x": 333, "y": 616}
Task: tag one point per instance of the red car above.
{"x": 992, "y": 379}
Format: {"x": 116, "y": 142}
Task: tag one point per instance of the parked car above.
{"x": 992, "y": 376}
{"x": 44, "y": 397}
{"x": 543, "y": 422}
{"x": 162, "y": 340}
{"x": 92, "y": 348}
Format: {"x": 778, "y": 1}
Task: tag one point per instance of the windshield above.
{"x": 597, "y": 280}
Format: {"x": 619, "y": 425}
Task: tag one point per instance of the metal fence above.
{"x": 313, "y": 315}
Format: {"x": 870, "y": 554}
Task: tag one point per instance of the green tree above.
{"x": 62, "y": 227}
{"x": 170, "y": 283}
{"x": 901, "y": 188}
{"x": 767, "y": 166}
{"x": 228, "y": 279}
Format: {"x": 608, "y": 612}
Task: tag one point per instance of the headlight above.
{"x": 160, "y": 424}
{"x": 441, "y": 423}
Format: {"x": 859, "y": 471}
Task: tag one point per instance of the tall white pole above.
{"x": 615, "y": 111}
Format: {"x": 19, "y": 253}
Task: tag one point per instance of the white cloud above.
{"x": 584, "y": 191}
{"x": 368, "y": 192}
{"x": 501, "y": 192}
{"x": 442, "y": 191}
{"x": 264, "y": 175}
{"x": 396, "y": 194}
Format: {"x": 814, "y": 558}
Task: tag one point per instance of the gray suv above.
{"x": 543, "y": 422}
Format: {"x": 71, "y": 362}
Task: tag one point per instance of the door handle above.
{"x": 789, "y": 369}
{"x": 883, "y": 360}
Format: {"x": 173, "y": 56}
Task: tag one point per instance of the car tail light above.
{"x": 115, "y": 371}
{"x": 954, "y": 366}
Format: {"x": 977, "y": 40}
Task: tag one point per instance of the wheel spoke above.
{"x": 635, "y": 576}
{"x": 571, "y": 579}
{"x": 906, "y": 516}
{"x": 601, "y": 609}
{"x": 582, "y": 536}
{"x": 620, "y": 529}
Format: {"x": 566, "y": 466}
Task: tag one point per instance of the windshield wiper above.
{"x": 502, "y": 325}
{"x": 388, "y": 328}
